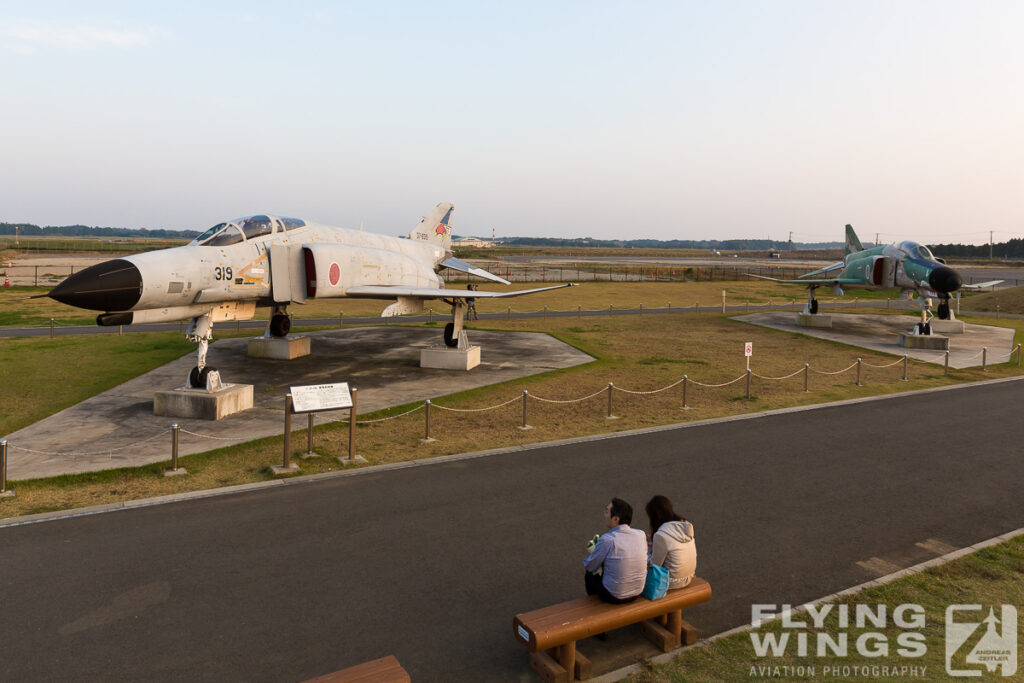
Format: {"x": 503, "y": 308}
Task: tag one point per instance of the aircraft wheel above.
{"x": 449, "y": 335}
{"x": 280, "y": 325}
{"x": 944, "y": 311}
{"x": 926, "y": 328}
{"x": 814, "y": 306}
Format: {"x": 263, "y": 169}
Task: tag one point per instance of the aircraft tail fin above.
{"x": 852, "y": 241}
{"x": 437, "y": 226}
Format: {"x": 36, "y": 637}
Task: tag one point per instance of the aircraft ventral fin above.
{"x": 386, "y": 292}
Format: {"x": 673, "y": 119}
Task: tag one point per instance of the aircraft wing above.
{"x": 981, "y": 285}
{"x": 814, "y": 281}
{"x": 838, "y": 265}
{"x": 386, "y": 292}
{"x": 462, "y": 266}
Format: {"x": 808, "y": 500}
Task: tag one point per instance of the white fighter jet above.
{"x": 262, "y": 260}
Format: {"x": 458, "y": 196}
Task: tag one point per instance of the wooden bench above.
{"x": 550, "y": 634}
{"x": 383, "y": 670}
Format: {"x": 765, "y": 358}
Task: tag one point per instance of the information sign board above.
{"x": 748, "y": 349}
{"x": 314, "y": 397}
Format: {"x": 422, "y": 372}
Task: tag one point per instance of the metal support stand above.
{"x": 175, "y": 470}
{"x": 610, "y": 416}
{"x": 524, "y": 425}
{"x": 288, "y": 466}
{"x": 352, "y": 458}
{"x": 310, "y": 453}
{"x": 426, "y": 429}
{"x": 4, "y": 491}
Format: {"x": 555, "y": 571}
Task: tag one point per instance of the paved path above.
{"x": 117, "y": 428}
{"x": 431, "y": 562}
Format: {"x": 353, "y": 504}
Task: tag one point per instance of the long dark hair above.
{"x": 659, "y": 510}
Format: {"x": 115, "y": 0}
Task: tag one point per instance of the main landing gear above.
{"x": 454, "y": 333}
{"x": 812, "y": 304}
{"x": 280, "y": 323}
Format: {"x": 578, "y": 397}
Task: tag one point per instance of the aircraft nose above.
{"x": 944, "y": 279}
{"x": 109, "y": 286}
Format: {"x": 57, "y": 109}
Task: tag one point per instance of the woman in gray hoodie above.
{"x": 672, "y": 544}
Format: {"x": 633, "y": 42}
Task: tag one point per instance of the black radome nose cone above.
{"x": 109, "y": 286}
{"x": 945, "y": 280}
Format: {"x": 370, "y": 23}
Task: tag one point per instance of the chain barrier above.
{"x": 648, "y": 393}
{"x": 105, "y": 451}
{"x": 208, "y": 436}
{"x": 389, "y": 417}
{"x": 574, "y": 400}
{"x": 839, "y": 372}
{"x": 723, "y": 384}
{"x": 895, "y": 362}
{"x": 475, "y": 410}
{"x": 777, "y": 378}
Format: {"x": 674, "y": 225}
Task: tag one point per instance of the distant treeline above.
{"x": 720, "y": 245}
{"x": 29, "y": 230}
{"x": 1012, "y": 249}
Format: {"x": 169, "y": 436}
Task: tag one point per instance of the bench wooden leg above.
{"x": 548, "y": 668}
{"x": 659, "y": 635}
{"x": 584, "y": 669}
{"x": 689, "y": 632}
{"x": 567, "y": 657}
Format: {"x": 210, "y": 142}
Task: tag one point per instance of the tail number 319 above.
{"x": 222, "y": 273}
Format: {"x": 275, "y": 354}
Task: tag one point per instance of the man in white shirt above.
{"x": 621, "y": 554}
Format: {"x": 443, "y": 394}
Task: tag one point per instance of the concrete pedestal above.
{"x": 202, "y": 404}
{"x": 947, "y": 326}
{"x": 446, "y": 358}
{"x": 931, "y": 342}
{"x": 816, "y": 320}
{"x": 279, "y": 348}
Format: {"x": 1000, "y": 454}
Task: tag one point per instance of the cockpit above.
{"x": 916, "y": 250}
{"x": 246, "y": 228}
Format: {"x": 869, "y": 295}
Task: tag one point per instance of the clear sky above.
{"x": 671, "y": 120}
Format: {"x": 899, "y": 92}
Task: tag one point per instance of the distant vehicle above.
{"x": 715, "y": 252}
{"x": 774, "y": 254}
{"x": 908, "y": 265}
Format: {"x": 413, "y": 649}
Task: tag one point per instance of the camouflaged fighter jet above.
{"x": 263, "y": 260}
{"x": 908, "y": 265}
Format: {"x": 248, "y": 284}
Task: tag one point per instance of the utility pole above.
{"x": 791, "y": 241}
{"x": 876, "y": 239}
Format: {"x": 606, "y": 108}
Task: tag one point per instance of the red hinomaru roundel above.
{"x": 334, "y": 274}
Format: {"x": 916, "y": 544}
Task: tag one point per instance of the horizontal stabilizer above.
{"x": 386, "y": 292}
{"x": 463, "y": 267}
{"x": 815, "y": 281}
{"x": 982, "y": 285}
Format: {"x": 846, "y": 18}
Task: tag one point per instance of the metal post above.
{"x": 352, "y": 426}
{"x": 945, "y": 364}
{"x": 609, "y": 309}
{"x": 524, "y": 425}
{"x": 51, "y": 328}
{"x": 545, "y": 311}
{"x": 887, "y": 302}
{"x": 287, "y": 431}
{"x": 309, "y": 437}
{"x": 723, "y": 301}
{"x": 579, "y": 311}
{"x": 341, "y": 318}
{"x": 769, "y": 303}
{"x": 426, "y": 424}
{"x": 174, "y": 446}
{"x": 984, "y": 358}
{"x": 641, "y": 308}
{"x": 685, "y": 380}
{"x": 120, "y": 330}
{"x": 1018, "y": 355}
{"x": 508, "y": 314}
{"x": 4, "y": 493}
{"x": 36, "y": 282}
{"x": 807, "y": 372}
{"x": 430, "y": 315}
{"x": 905, "y": 356}
{"x": 748, "y": 382}
{"x": 858, "y": 372}
{"x": 609, "y": 416}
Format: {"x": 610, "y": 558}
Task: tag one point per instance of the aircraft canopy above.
{"x": 917, "y": 250}
{"x": 246, "y": 228}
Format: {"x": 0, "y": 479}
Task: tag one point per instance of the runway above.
{"x": 431, "y": 562}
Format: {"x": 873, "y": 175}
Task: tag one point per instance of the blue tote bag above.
{"x": 657, "y": 582}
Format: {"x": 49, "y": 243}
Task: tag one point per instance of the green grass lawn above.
{"x": 990, "y": 577}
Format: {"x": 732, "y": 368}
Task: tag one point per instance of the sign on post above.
{"x": 314, "y": 397}
{"x": 748, "y": 351}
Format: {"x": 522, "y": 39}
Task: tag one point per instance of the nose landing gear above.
{"x": 200, "y": 330}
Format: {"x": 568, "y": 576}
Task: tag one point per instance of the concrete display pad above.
{"x": 816, "y": 320}
{"x": 881, "y": 333}
{"x": 201, "y": 404}
{"x": 933, "y": 342}
{"x": 118, "y": 429}
{"x": 279, "y": 348}
{"x": 446, "y": 358}
{"x": 948, "y": 326}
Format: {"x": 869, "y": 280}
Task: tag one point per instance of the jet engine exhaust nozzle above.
{"x": 109, "y": 286}
{"x": 944, "y": 280}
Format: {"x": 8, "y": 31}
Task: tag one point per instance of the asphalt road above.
{"x": 430, "y": 563}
